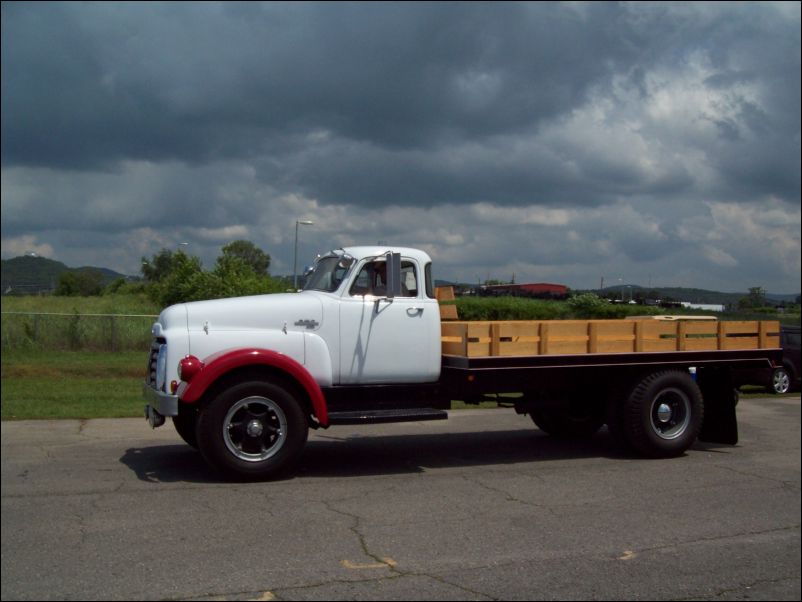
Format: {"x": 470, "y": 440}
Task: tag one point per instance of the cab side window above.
{"x": 409, "y": 280}
{"x": 362, "y": 284}
{"x": 430, "y": 282}
{"x": 372, "y": 280}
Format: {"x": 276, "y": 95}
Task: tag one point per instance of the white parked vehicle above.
{"x": 245, "y": 378}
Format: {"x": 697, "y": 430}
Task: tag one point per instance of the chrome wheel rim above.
{"x": 255, "y": 429}
{"x": 782, "y": 382}
{"x": 670, "y": 414}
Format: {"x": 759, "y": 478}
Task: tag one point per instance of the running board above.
{"x": 384, "y": 416}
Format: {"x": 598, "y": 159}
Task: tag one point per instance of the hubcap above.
{"x": 255, "y": 429}
{"x": 664, "y": 413}
{"x": 671, "y": 413}
{"x": 782, "y": 382}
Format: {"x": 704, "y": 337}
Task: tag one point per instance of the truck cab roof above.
{"x": 361, "y": 252}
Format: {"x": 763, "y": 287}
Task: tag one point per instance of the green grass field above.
{"x": 72, "y": 384}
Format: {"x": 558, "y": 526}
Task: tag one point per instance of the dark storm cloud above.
{"x": 87, "y": 86}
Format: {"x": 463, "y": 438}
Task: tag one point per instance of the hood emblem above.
{"x": 309, "y": 324}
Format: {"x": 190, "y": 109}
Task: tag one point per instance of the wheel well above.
{"x": 264, "y": 373}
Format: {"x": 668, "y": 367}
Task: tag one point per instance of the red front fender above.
{"x": 219, "y": 364}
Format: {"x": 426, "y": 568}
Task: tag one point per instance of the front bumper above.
{"x": 160, "y": 404}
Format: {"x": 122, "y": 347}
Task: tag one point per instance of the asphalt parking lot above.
{"x": 482, "y": 506}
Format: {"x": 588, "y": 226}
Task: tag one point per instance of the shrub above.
{"x": 509, "y": 308}
{"x": 588, "y": 305}
{"x": 232, "y": 277}
{"x": 80, "y": 283}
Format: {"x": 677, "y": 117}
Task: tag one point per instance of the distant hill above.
{"x": 32, "y": 274}
{"x": 691, "y": 295}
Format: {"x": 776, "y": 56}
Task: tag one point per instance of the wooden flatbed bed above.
{"x": 586, "y": 337}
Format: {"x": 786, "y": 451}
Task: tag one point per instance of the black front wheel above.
{"x": 254, "y": 430}
{"x": 186, "y": 423}
{"x": 663, "y": 414}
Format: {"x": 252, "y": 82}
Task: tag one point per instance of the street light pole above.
{"x": 298, "y": 222}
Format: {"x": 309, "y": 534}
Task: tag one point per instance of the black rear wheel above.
{"x": 663, "y": 414}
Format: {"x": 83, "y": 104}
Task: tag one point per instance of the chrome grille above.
{"x": 153, "y": 359}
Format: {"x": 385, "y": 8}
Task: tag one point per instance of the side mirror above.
{"x": 393, "y": 274}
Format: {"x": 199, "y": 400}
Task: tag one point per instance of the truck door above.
{"x": 389, "y": 340}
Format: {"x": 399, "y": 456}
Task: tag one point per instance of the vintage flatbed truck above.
{"x": 244, "y": 379}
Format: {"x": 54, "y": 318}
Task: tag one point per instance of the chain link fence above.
{"x": 76, "y": 332}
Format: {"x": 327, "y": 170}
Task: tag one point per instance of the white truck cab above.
{"x": 381, "y": 321}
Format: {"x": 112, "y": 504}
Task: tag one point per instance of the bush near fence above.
{"x": 75, "y": 332}
{"x": 113, "y": 322}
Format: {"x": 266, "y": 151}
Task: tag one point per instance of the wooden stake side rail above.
{"x": 571, "y": 337}
{"x": 446, "y": 293}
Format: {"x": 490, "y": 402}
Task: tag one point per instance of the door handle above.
{"x": 414, "y": 311}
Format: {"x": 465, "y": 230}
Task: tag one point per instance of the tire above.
{"x": 663, "y": 414}
{"x": 780, "y": 381}
{"x": 185, "y": 424}
{"x": 579, "y": 421}
{"x": 252, "y": 431}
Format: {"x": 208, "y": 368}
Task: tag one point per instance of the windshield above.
{"x": 329, "y": 273}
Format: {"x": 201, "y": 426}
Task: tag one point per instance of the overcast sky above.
{"x": 641, "y": 143}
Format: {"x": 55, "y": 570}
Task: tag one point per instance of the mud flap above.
{"x": 720, "y": 398}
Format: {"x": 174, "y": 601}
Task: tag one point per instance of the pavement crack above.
{"x": 630, "y": 554}
{"x": 790, "y": 485}
{"x": 743, "y": 587}
{"x": 448, "y": 583}
{"x": 394, "y": 571}
{"x": 508, "y": 497}
{"x": 378, "y": 561}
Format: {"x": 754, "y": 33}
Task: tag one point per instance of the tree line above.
{"x": 170, "y": 277}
